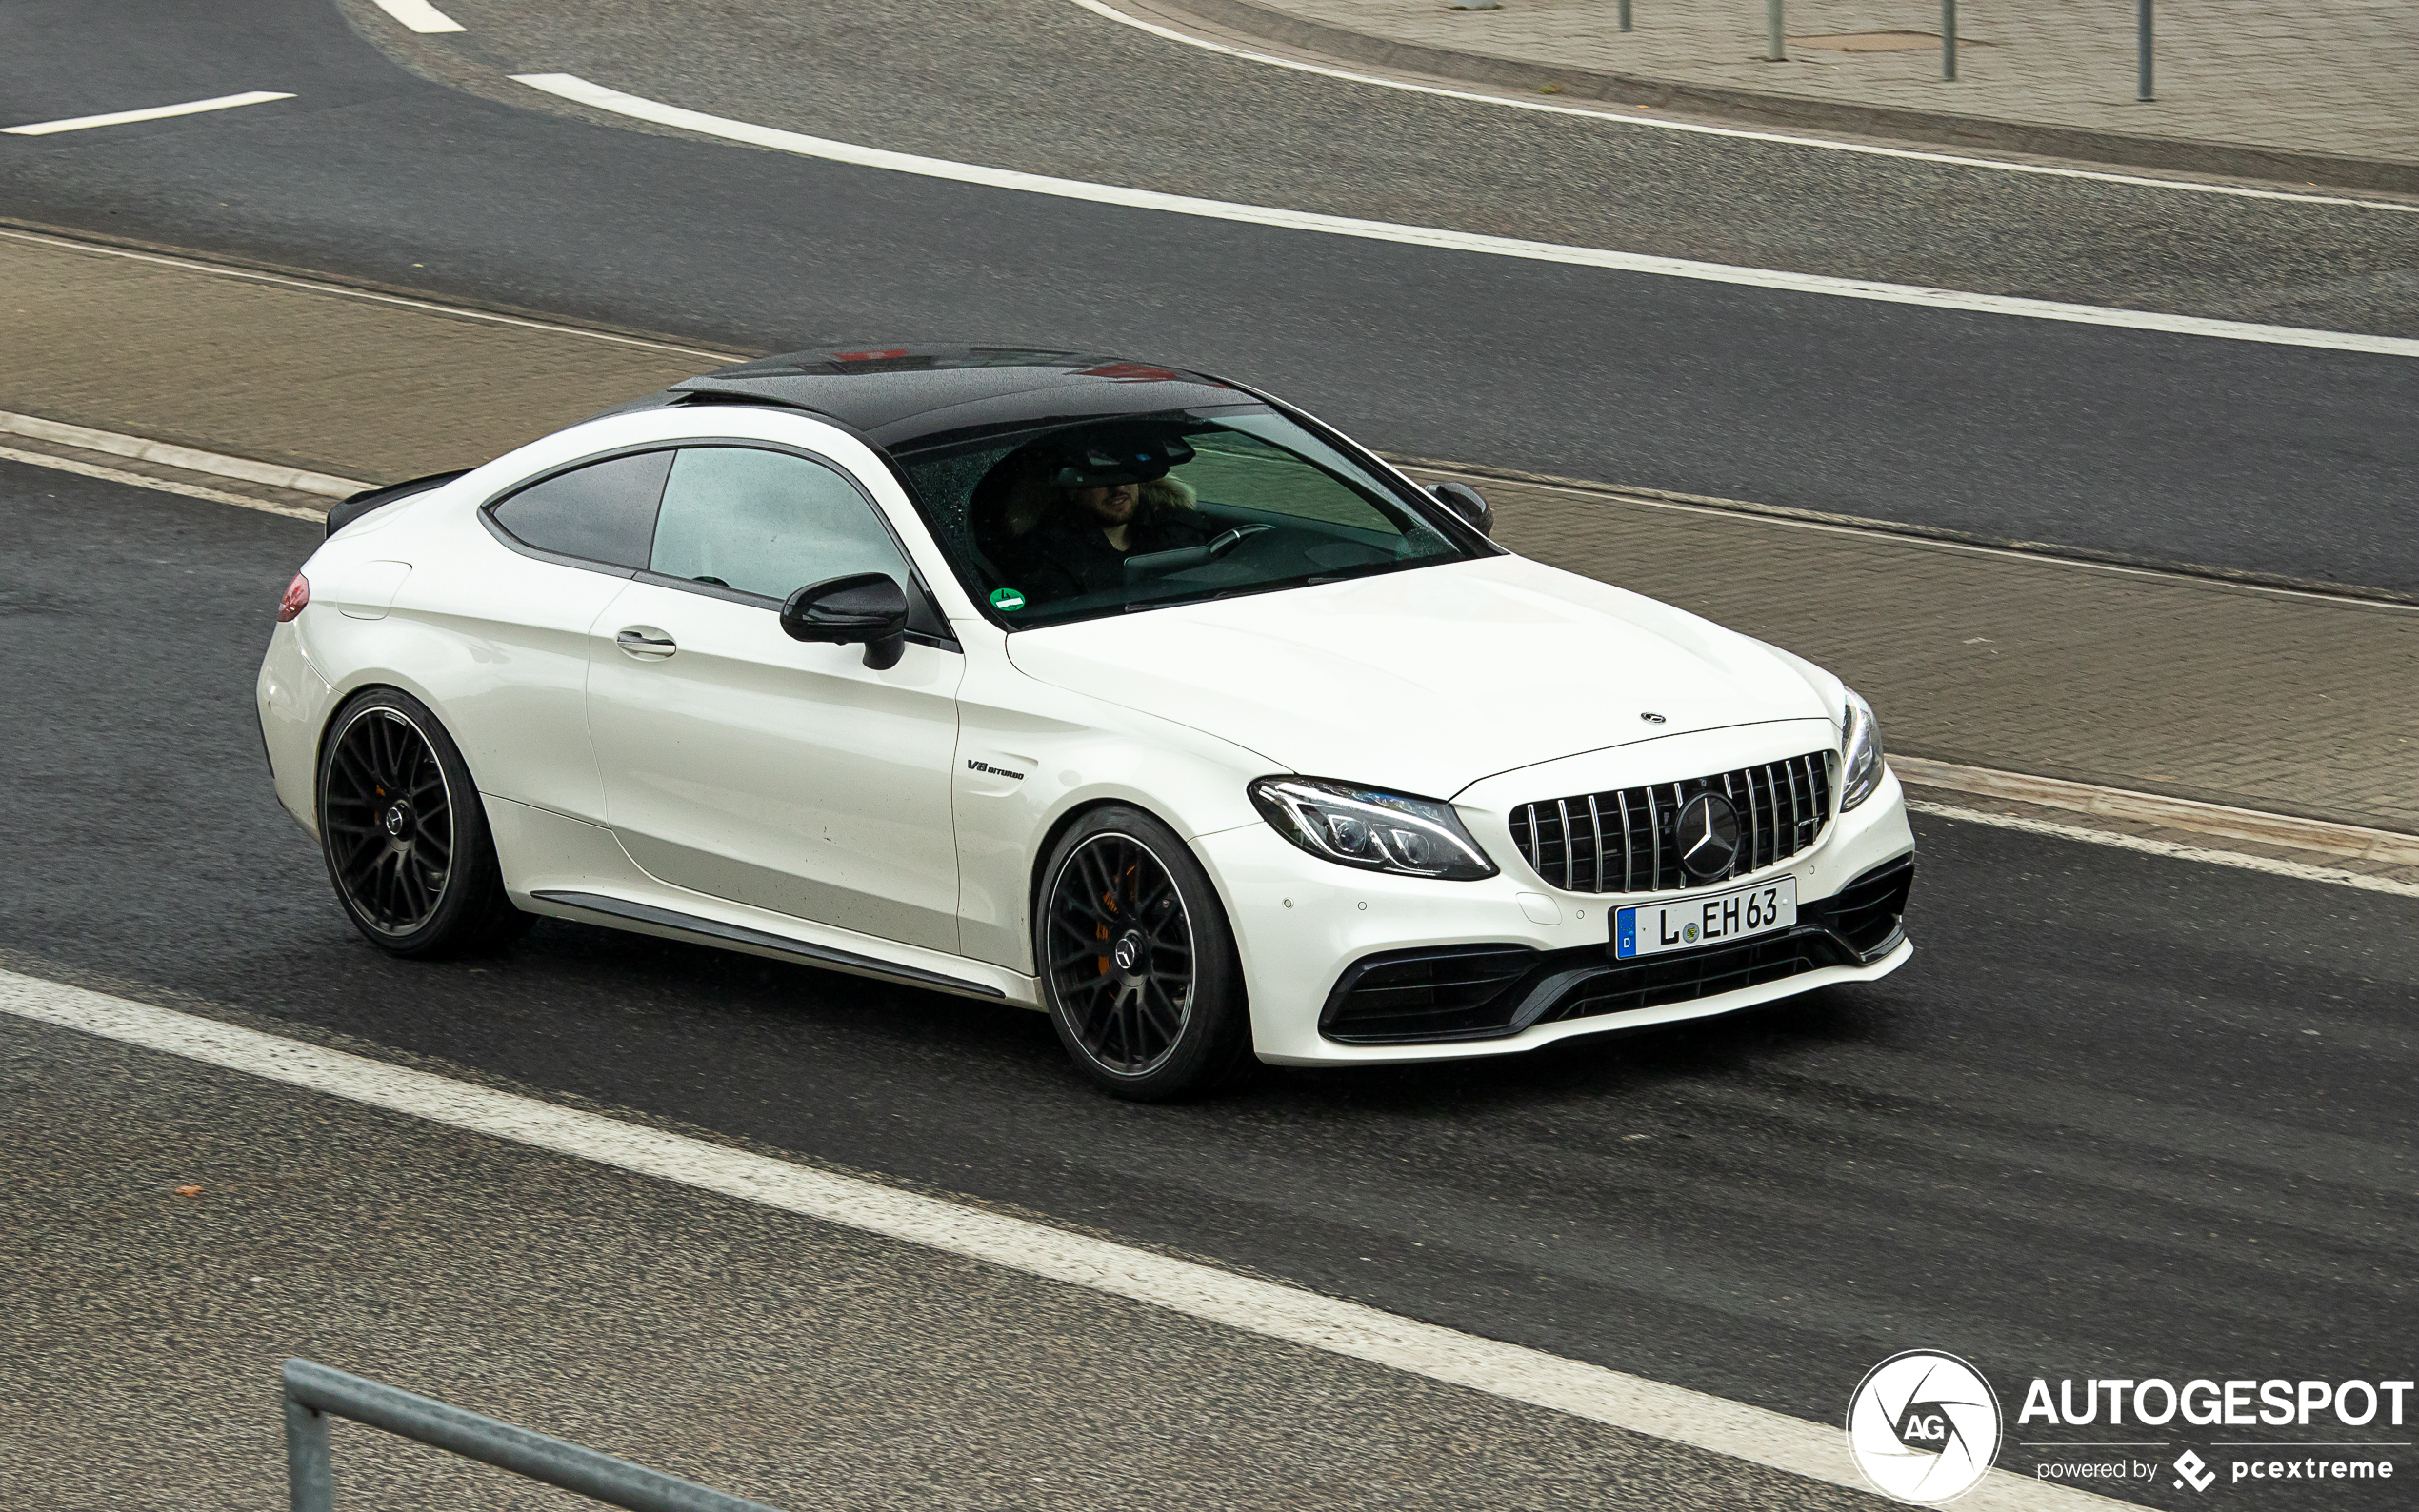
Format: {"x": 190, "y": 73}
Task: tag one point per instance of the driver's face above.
{"x": 1110, "y": 506}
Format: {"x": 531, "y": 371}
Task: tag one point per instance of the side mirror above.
{"x": 868, "y": 607}
{"x": 1464, "y": 500}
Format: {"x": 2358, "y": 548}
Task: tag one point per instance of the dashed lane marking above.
{"x": 597, "y": 96}
{"x": 1816, "y": 1450}
{"x": 420, "y": 16}
{"x": 158, "y": 112}
{"x": 1620, "y": 116}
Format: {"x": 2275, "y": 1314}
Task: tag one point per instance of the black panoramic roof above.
{"x": 898, "y": 396}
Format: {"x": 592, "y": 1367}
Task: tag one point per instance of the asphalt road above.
{"x": 2176, "y": 449}
{"x": 2123, "y": 1115}
{"x": 800, "y": 1363}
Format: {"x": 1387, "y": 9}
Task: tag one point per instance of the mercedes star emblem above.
{"x": 1708, "y": 835}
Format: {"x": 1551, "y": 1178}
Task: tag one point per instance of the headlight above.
{"x": 1860, "y": 745}
{"x": 1376, "y": 831}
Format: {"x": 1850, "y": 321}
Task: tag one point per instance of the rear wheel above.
{"x": 405, "y": 835}
{"x": 1137, "y": 962}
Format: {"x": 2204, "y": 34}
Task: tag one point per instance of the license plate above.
{"x": 1651, "y": 929}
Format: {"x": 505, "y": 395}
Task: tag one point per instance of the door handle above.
{"x": 646, "y": 643}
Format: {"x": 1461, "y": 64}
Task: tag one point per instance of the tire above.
{"x": 405, "y": 834}
{"x": 1137, "y": 961}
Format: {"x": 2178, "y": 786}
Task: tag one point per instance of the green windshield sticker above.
{"x": 1008, "y": 601}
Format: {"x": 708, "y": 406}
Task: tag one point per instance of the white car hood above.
{"x": 1427, "y": 680}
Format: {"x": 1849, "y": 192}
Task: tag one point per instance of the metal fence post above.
{"x": 1949, "y": 39}
{"x": 310, "y": 1475}
{"x": 1625, "y": 15}
{"x": 1775, "y": 51}
{"x": 2142, "y": 51}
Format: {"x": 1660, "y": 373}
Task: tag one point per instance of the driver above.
{"x": 1097, "y": 501}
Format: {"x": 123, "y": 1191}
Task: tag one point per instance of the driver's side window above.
{"x": 767, "y": 522}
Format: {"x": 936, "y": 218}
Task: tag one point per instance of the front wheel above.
{"x": 405, "y": 835}
{"x": 1137, "y": 962}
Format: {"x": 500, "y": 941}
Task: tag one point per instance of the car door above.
{"x": 744, "y": 764}
{"x": 579, "y": 534}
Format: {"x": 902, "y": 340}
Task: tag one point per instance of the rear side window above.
{"x": 767, "y": 522}
{"x": 601, "y": 512}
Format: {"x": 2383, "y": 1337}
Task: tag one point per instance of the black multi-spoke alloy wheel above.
{"x": 1137, "y": 962}
{"x": 405, "y": 834}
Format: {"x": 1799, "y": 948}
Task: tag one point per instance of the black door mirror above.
{"x": 868, "y": 607}
{"x": 1464, "y": 500}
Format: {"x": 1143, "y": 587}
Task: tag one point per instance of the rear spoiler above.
{"x": 369, "y": 499}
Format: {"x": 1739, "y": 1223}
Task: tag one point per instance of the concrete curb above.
{"x": 166, "y": 455}
{"x": 2173, "y": 813}
{"x": 2176, "y": 154}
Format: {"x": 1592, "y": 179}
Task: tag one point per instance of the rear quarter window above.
{"x": 603, "y": 512}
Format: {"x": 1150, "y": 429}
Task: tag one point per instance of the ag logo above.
{"x": 1923, "y": 1427}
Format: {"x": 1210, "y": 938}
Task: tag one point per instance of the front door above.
{"x": 744, "y": 764}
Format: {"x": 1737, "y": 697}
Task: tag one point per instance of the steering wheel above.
{"x": 1226, "y": 541}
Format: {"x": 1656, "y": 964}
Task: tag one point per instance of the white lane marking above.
{"x": 420, "y": 16}
{"x": 1626, "y": 116}
{"x": 2301, "y": 872}
{"x": 597, "y": 96}
{"x": 190, "y": 491}
{"x": 145, "y": 449}
{"x": 1816, "y": 1450}
{"x": 158, "y": 112}
{"x": 313, "y": 285}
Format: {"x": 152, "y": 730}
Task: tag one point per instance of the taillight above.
{"x": 297, "y": 595}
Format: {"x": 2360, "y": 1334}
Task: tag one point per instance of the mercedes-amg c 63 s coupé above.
{"x": 1128, "y": 694}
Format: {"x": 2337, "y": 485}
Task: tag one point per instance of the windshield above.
{"x": 1075, "y": 521}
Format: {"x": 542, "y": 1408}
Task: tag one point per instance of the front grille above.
{"x": 1623, "y": 841}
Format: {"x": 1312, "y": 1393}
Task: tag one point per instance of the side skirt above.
{"x": 712, "y": 931}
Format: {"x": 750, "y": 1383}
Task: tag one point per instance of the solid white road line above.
{"x": 1625, "y": 115}
{"x": 2300, "y": 872}
{"x": 597, "y": 96}
{"x": 88, "y": 470}
{"x": 420, "y": 16}
{"x": 158, "y": 112}
{"x": 145, "y": 449}
{"x": 1816, "y": 1450}
{"x": 316, "y": 287}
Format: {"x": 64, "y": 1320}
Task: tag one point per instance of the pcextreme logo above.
{"x": 1923, "y": 1427}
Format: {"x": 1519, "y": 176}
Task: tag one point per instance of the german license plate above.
{"x": 1651, "y": 929}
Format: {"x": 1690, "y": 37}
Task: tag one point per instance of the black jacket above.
{"x": 1061, "y": 561}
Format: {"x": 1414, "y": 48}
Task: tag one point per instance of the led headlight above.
{"x": 1860, "y": 745}
{"x": 1365, "y": 827}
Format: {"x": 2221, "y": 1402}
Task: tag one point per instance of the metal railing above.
{"x": 315, "y": 1393}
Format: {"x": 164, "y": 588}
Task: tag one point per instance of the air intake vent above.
{"x": 1624, "y": 841}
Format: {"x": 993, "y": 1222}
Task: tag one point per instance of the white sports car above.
{"x": 1132, "y": 695}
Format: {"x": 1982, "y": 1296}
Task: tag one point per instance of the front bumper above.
{"x": 1522, "y": 962}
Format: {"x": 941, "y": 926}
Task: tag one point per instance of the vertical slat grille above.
{"x": 1571, "y": 843}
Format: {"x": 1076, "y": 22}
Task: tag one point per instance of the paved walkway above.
{"x": 2196, "y": 689}
{"x": 2334, "y": 77}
